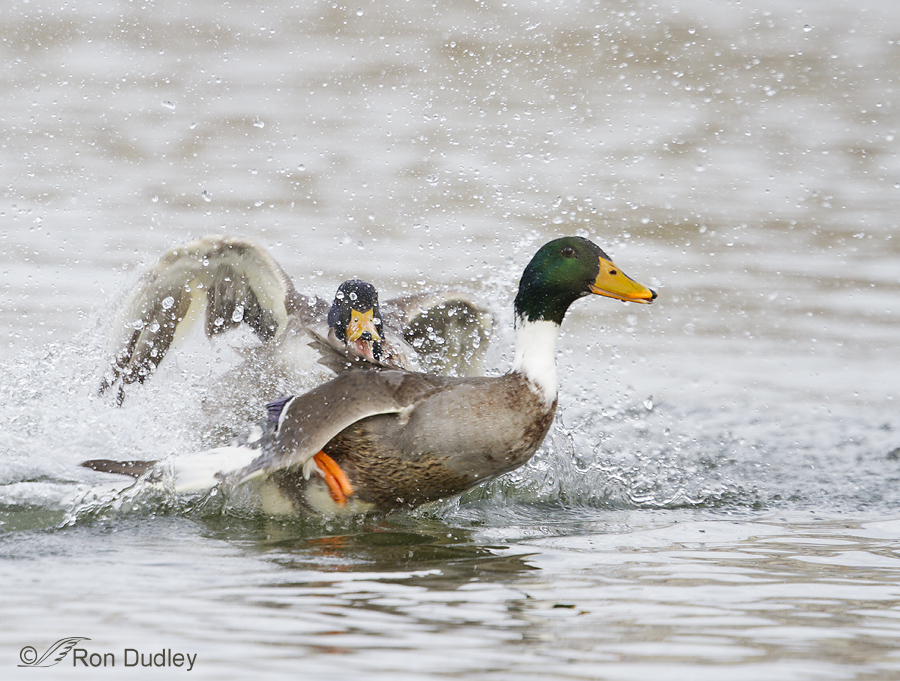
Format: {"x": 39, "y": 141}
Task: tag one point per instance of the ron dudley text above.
{"x": 134, "y": 658}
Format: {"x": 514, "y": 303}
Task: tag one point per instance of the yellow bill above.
{"x": 360, "y": 324}
{"x": 613, "y": 283}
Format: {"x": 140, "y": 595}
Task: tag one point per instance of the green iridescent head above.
{"x": 566, "y": 269}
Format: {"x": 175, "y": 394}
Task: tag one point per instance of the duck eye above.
{"x": 567, "y": 252}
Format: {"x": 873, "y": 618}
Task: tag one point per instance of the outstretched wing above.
{"x": 307, "y": 423}
{"x": 236, "y": 281}
{"x": 449, "y": 330}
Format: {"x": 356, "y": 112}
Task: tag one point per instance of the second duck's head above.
{"x": 355, "y": 318}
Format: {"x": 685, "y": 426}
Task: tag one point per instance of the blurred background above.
{"x": 742, "y": 159}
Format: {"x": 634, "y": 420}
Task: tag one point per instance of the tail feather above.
{"x": 195, "y": 472}
{"x": 133, "y": 468}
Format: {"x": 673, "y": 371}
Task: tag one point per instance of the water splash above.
{"x": 636, "y": 453}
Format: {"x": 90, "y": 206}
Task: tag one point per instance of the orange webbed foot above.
{"x": 338, "y": 484}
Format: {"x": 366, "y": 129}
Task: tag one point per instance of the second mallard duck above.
{"x": 389, "y": 439}
{"x": 233, "y": 282}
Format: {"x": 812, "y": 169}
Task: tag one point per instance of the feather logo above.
{"x": 54, "y": 654}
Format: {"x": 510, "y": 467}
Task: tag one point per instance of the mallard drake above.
{"x": 388, "y": 439}
{"x": 355, "y": 331}
{"x": 238, "y": 282}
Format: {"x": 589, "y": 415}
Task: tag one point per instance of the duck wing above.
{"x": 306, "y": 423}
{"x": 234, "y": 279}
{"x": 448, "y": 329}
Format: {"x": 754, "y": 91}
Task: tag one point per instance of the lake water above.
{"x": 720, "y": 494}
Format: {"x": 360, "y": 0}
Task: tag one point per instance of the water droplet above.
{"x": 168, "y": 302}
{"x": 257, "y": 123}
{"x": 206, "y": 196}
{"x": 238, "y": 314}
{"x": 648, "y": 403}
{"x": 807, "y": 28}
{"x": 169, "y": 105}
